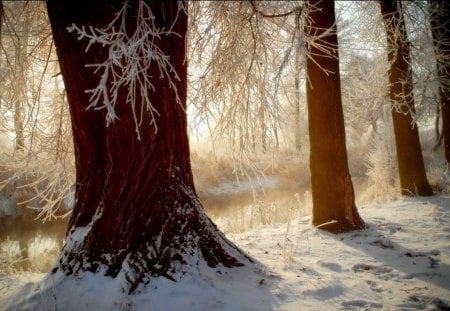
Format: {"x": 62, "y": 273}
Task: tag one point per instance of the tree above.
{"x": 242, "y": 53}
{"x": 333, "y": 196}
{"x": 2, "y": 12}
{"x": 33, "y": 111}
{"x": 440, "y": 30}
{"x": 413, "y": 179}
{"x": 136, "y": 207}
{"x": 20, "y": 86}
{"x": 297, "y": 69}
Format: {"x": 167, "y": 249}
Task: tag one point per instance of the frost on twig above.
{"x": 128, "y": 63}
{"x": 316, "y": 40}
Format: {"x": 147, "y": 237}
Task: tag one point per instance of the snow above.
{"x": 401, "y": 261}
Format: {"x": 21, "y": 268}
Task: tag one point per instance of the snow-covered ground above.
{"x": 400, "y": 262}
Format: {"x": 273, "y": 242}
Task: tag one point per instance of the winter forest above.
{"x": 225, "y": 155}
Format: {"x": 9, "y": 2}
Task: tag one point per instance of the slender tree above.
{"x": 440, "y": 30}
{"x": 136, "y": 208}
{"x": 20, "y": 82}
{"x": 298, "y": 138}
{"x": 2, "y": 13}
{"x": 333, "y": 196}
{"x": 413, "y": 179}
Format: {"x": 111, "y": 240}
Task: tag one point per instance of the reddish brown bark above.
{"x": 136, "y": 198}
{"x": 333, "y": 197}
{"x": 440, "y": 29}
{"x": 413, "y": 179}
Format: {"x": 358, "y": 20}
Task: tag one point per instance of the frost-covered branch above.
{"x": 129, "y": 59}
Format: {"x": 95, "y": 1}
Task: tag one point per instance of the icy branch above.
{"x": 128, "y": 63}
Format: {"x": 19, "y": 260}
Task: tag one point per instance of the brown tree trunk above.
{"x": 413, "y": 179}
{"x": 440, "y": 29}
{"x": 136, "y": 205}
{"x": 333, "y": 196}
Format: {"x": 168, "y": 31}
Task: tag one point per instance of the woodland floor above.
{"x": 401, "y": 261}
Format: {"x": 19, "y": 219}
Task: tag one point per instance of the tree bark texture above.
{"x": 333, "y": 196}
{"x": 413, "y": 179}
{"x": 440, "y": 30}
{"x": 136, "y": 205}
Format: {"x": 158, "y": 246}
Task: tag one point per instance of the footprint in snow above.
{"x": 383, "y": 243}
{"x": 391, "y": 227}
{"x": 434, "y": 262}
{"x": 433, "y": 252}
{"x": 361, "y": 305}
{"x": 362, "y": 267}
{"x": 382, "y": 272}
{"x": 330, "y": 265}
{"x": 424, "y": 302}
{"x": 374, "y": 286}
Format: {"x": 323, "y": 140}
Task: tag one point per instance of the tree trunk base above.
{"x": 342, "y": 226}
{"x": 186, "y": 239}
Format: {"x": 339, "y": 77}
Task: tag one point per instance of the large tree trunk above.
{"x": 413, "y": 179}
{"x": 440, "y": 29}
{"x": 333, "y": 196}
{"x": 136, "y": 208}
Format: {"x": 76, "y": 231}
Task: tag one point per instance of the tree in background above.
{"x": 333, "y": 196}
{"x": 136, "y": 207}
{"x": 242, "y": 55}
{"x": 34, "y": 116}
{"x": 2, "y": 12}
{"x": 413, "y": 179}
{"x": 297, "y": 70}
{"x": 440, "y": 30}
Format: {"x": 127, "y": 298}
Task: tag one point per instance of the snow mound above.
{"x": 208, "y": 289}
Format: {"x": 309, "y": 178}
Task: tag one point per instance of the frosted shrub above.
{"x": 43, "y": 253}
{"x": 382, "y": 171}
{"x": 10, "y": 258}
{"x": 439, "y": 177}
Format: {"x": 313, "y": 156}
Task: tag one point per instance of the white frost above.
{"x": 128, "y": 63}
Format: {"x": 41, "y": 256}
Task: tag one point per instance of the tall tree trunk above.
{"x": 2, "y": 14}
{"x": 298, "y": 141}
{"x": 333, "y": 196}
{"x": 275, "y": 136}
{"x": 413, "y": 179}
{"x": 440, "y": 30}
{"x": 136, "y": 208}
{"x": 18, "y": 120}
{"x": 262, "y": 119}
{"x": 20, "y": 81}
